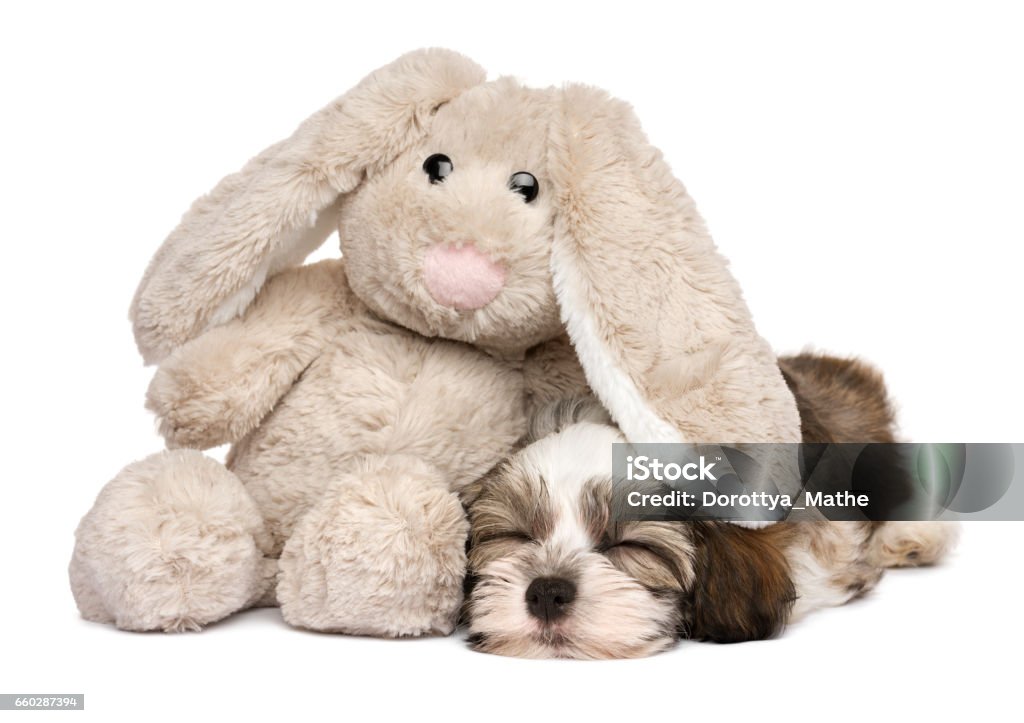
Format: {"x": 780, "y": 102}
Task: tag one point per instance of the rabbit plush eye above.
{"x": 437, "y": 167}
{"x": 524, "y": 184}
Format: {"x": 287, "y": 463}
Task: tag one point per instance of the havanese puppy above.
{"x": 553, "y": 574}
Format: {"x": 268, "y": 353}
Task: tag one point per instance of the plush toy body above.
{"x": 503, "y": 247}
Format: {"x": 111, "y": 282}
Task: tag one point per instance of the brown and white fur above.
{"x": 554, "y": 575}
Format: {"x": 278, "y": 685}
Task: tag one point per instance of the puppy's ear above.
{"x": 283, "y": 204}
{"x": 742, "y": 586}
{"x": 657, "y": 320}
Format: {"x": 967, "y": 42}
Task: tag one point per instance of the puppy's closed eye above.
{"x": 645, "y": 564}
{"x": 489, "y": 545}
{"x": 486, "y": 537}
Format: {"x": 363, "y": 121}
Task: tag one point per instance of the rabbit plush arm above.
{"x": 216, "y": 388}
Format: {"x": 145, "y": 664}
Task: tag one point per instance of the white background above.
{"x": 862, "y": 167}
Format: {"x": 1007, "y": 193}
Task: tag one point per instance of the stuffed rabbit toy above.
{"x": 503, "y": 247}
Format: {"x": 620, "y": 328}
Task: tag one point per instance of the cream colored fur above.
{"x": 173, "y": 543}
{"x": 356, "y": 404}
{"x": 667, "y": 341}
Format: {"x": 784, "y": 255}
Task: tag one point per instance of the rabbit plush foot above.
{"x": 174, "y": 542}
{"x": 383, "y": 553}
{"x": 910, "y": 544}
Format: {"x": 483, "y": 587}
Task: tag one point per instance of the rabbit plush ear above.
{"x": 657, "y": 320}
{"x": 283, "y": 203}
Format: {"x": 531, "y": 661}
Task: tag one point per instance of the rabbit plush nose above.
{"x": 462, "y": 278}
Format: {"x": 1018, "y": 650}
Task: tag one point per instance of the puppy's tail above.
{"x": 839, "y": 400}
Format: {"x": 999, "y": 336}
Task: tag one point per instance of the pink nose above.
{"x": 462, "y": 278}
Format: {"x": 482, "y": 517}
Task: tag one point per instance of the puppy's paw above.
{"x": 912, "y": 544}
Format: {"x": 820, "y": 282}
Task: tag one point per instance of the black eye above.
{"x": 438, "y": 166}
{"x": 524, "y": 183}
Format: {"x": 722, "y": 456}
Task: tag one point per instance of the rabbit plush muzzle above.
{"x": 462, "y": 277}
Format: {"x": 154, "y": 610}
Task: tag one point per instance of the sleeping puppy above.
{"x": 552, "y": 574}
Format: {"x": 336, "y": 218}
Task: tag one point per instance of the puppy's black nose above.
{"x": 548, "y": 598}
